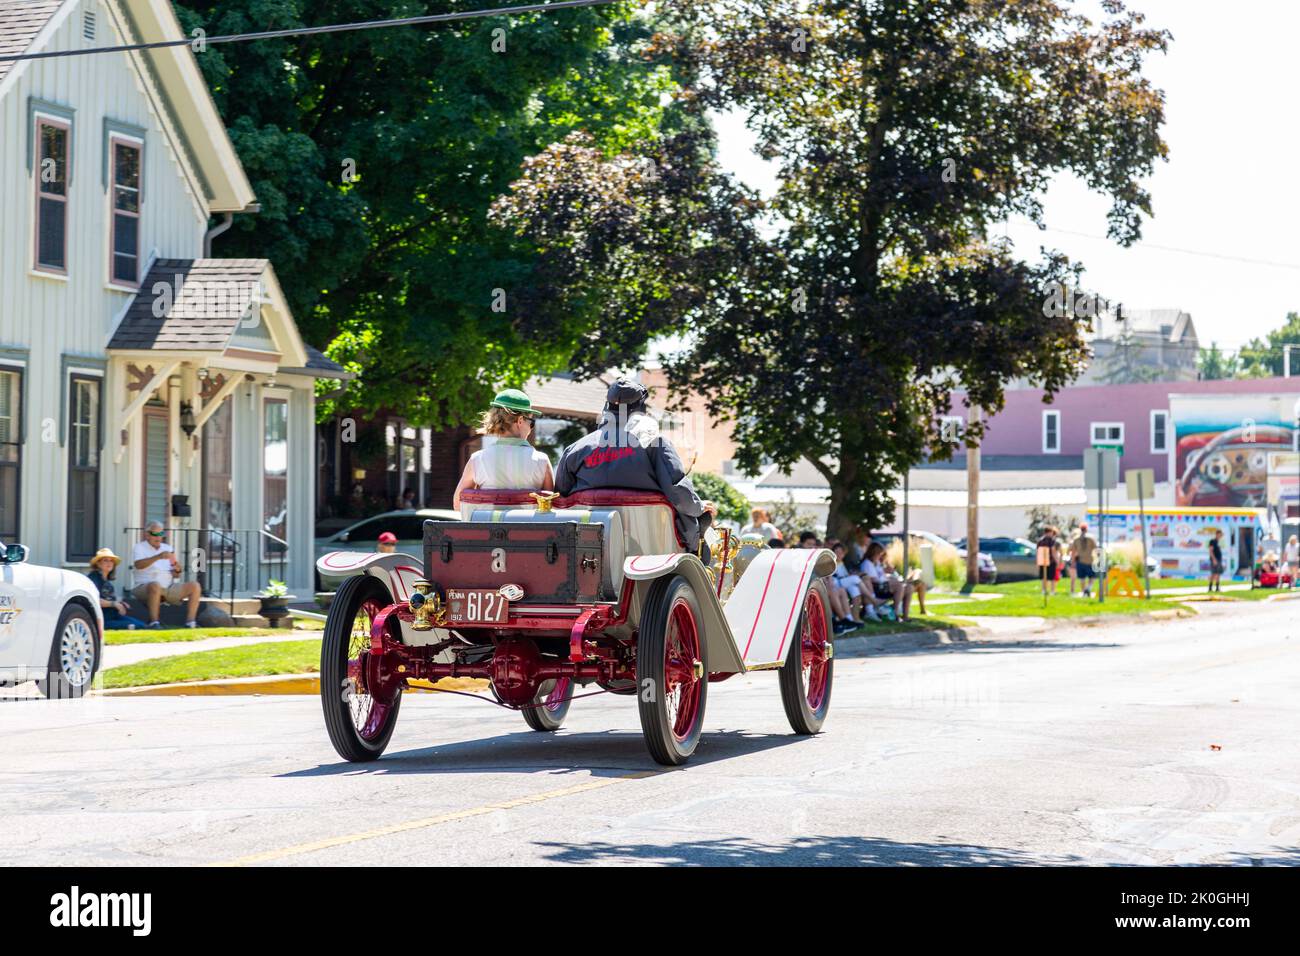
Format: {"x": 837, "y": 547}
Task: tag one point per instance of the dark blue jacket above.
{"x": 629, "y": 452}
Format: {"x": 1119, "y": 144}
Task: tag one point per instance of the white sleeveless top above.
{"x": 509, "y": 463}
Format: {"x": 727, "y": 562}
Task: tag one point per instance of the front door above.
{"x": 154, "y": 498}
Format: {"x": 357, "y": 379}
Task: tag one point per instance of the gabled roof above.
{"x": 20, "y": 22}
{"x": 204, "y": 305}
{"x": 26, "y": 27}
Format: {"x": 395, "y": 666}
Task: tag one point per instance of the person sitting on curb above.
{"x": 156, "y": 568}
{"x": 103, "y": 568}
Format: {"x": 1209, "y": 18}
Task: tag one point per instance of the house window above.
{"x": 275, "y": 475}
{"x": 1108, "y": 433}
{"x": 1051, "y": 433}
{"x": 11, "y": 451}
{"x": 1159, "y": 432}
{"x": 83, "y": 467}
{"x": 52, "y": 178}
{"x": 124, "y": 230}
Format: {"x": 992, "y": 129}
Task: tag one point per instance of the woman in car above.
{"x": 507, "y": 459}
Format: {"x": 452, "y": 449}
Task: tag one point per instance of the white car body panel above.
{"x": 31, "y": 599}
{"x": 762, "y": 612}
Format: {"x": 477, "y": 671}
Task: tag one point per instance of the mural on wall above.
{"x": 1222, "y": 443}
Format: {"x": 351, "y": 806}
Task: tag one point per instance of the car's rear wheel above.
{"x": 809, "y": 666}
{"x": 672, "y": 671}
{"x": 360, "y": 711}
{"x": 551, "y": 705}
{"x": 74, "y": 655}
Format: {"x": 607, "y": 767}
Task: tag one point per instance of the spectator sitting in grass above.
{"x": 103, "y": 568}
{"x": 808, "y": 539}
{"x": 776, "y": 543}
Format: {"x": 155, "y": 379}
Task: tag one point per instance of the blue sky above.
{"x": 1230, "y": 190}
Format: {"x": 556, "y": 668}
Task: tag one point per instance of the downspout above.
{"x": 227, "y": 220}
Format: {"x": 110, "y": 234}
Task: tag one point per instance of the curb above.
{"x": 863, "y": 644}
{"x": 276, "y": 685}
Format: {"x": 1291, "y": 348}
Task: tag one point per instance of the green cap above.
{"x": 513, "y": 400}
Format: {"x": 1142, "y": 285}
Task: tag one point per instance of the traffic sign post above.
{"x": 1101, "y": 468}
{"x": 1139, "y": 481}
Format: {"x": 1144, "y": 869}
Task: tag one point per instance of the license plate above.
{"x": 477, "y": 607}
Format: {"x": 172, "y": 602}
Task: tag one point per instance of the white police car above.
{"x": 51, "y": 627}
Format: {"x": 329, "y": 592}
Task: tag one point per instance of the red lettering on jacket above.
{"x": 602, "y": 456}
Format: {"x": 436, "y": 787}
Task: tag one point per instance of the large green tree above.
{"x": 836, "y": 323}
{"x": 376, "y": 154}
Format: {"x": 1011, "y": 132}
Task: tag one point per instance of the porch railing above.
{"x": 227, "y": 563}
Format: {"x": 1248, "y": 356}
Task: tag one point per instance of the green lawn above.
{"x": 251, "y": 660}
{"x": 1025, "y": 599}
{"x": 183, "y": 634}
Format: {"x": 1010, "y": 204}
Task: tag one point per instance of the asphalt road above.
{"x": 1088, "y": 745}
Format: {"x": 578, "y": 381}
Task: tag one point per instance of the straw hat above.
{"x": 103, "y": 553}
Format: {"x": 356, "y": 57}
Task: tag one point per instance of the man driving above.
{"x": 627, "y": 451}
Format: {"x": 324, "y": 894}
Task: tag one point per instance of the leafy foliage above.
{"x": 1214, "y": 363}
{"x": 732, "y": 505}
{"x": 375, "y": 156}
{"x": 1041, "y": 517}
{"x": 790, "y": 519}
{"x": 1263, "y": 357}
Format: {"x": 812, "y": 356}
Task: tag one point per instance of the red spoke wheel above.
{"x": 810, "y": 664}
{"x": 359, "y": 715}
{"x": 671, "y": 670}
{"x": 551, "y": 704}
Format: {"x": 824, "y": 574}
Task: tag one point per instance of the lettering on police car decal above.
{"x": 8, "y": 610}
{"x": 499, "y": 560}
{"x": 511, "y": 592}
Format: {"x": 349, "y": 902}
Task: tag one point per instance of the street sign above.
{"x": 1139, "y": 483}
{"x": 1113, "y": 446}
{"x": 1100, "y": 468}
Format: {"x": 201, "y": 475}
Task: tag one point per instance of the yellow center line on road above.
{"x": 271, "y": 856}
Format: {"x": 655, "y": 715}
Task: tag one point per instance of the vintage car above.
{"x": 541, "y": 595}
{"x": 51, "y": 626}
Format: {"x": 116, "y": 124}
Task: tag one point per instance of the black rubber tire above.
{"x": 794, "y": 696}
{"x": 351, "y": 595}
{"x": 547, "y": 721}
{"x": 660, "y": 740}
{"x": 56, "y": 684}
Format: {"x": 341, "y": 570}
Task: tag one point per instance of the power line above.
{"x": 1186, "y": 252}
{"x": 311, "y": 31}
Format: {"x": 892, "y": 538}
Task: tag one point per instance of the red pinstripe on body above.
{"x": 759, "y": 611}
{"x": 798, "y": 596}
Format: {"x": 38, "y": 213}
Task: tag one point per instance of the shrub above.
{"x": 949, "y": 568}
{"x": 1125, "y": 554}
{"x": 732, "y": 505}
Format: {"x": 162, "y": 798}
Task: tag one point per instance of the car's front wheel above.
{"x": 74, "y": 655}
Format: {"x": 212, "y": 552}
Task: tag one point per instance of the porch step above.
{"x": 213, "y": 612}
{"x": 250, "y": 620}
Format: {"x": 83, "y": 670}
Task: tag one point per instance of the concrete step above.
{"x": 250, "y": 620}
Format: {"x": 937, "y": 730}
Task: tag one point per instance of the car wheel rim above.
{"x": 682, "y": 686}
{"x": 557, "y": 698}
{"x": 77, "y": 652}
{"x": 813, "y": 641}
{"x": 369, "y": 715}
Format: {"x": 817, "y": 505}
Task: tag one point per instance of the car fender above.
{"x": 396, "y": 570}
{"x": 56, "y": 588}
{"x": 764, "y": 607}
{"x": 644, "y": 569}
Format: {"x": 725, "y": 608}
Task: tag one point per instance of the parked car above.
{"x": 408, "y": 526}
{"x": 51, "y": 627}
{"x": 1017, "y": 558}
{"x": 988, "y": 568}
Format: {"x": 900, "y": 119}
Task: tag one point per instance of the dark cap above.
{"x": 625, "y": 392}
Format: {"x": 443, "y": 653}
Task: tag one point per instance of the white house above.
{"x": 140, "y": 378}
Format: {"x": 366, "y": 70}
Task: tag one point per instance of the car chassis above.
{"x": 595, "y": 589}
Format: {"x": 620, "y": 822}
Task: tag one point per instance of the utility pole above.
{"x": 972, "y": 504}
